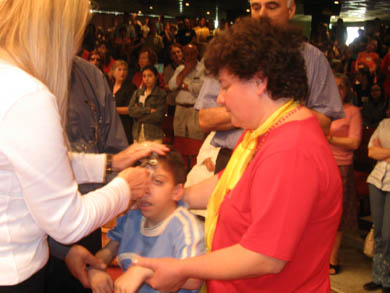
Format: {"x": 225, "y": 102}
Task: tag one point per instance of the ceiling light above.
{"x": 187, "y": 4}
{"x": 248, "y": 10}
{"x": 208, "y": 12}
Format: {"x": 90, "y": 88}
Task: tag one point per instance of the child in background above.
{"x": 148, "y": 107}
{"x": 158, "y": 228}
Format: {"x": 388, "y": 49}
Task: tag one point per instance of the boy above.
{"x": 158, "y": 228}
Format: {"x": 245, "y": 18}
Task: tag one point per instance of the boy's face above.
{"x": 160, "y": 200}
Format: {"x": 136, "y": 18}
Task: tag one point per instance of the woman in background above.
{"x": 122, "y": 90}
{"x": 146, "y": 56}
{"x": 147, "y": 107}
{"x": 95, "y": 58}
{"x": 344, "y": 137}
{"x": 379, "y": 187}
{"x": 374, "y": 109}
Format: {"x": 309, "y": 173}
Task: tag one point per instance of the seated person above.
{"x": 158, "y": 228}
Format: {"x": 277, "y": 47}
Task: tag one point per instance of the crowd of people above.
{"x": 277, "y": 110}
{"x": 365, "y": 61}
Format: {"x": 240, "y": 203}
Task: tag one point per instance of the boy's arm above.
{"x": 100, "y": 280}
{"x": 132, "y": 279}
{"x": 108, "y": 252}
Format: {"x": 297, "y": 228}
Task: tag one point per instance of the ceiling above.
{"x": 350, "y": 11}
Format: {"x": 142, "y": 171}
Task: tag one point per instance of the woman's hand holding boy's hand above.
{"x": 100, "y": 281}
{"x": 167, "y": 274}
{"x": 132, "y": 279}
{"x": 78, "y": 259}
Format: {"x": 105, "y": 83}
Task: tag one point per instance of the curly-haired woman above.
{"x": 273, "y": 213}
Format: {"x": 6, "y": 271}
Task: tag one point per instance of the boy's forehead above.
{"x": 162, "y": 169}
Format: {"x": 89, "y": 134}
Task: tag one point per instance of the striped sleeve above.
{"x": 189, "y": 235}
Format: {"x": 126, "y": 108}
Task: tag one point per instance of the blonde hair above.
{"x": 42, "y": 37}
{"x": 118, "y": 63}
{"x": 115, "y": 65}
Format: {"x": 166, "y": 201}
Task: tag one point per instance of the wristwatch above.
{"x": 109, "y": 169}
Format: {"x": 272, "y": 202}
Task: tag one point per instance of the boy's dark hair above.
{"x": 173, "y": 161}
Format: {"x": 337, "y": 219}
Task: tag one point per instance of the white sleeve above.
{"x": 88, "y": 168}
{"x": 172, "y": 82}
{"x": 31, "y": 138}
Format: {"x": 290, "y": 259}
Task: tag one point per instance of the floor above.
{"x": 355, "y": 266}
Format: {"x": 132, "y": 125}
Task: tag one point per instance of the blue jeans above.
{"x": 380, "y": 212}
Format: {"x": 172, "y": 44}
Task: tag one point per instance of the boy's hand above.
{"x": 132, "y": 279}
{"x": 100, "y": 281}
{"x": 77, "y": 260}
{"x": 167, "y": 273}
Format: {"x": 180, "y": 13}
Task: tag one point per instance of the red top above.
{"x": 287, "y": 205}
{"x": 368, "y": 58}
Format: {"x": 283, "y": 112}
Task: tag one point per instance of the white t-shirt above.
{"x": 38, "y": 188}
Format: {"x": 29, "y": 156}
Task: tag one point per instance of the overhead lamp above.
{"x": 208, "y": 12}
{"x": 151, "y": 7}
{"x": 187, "y": 4}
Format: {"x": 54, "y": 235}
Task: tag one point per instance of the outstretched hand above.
{"x": 135, "y": 152}
{"x": 167, "y": 273}
{"x": 78, "y": 259}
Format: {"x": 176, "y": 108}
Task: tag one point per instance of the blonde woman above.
{"x": 122, "y": 90}
{"x": 38, "y": 188}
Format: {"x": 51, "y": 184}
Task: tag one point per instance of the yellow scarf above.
{"x": 236, "y": 167}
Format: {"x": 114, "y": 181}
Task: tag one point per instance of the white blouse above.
{"x": 38, "y": 188}
{"x": 380, "y": 175}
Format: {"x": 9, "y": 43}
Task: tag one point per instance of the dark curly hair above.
{"x": 255, "y": 47}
